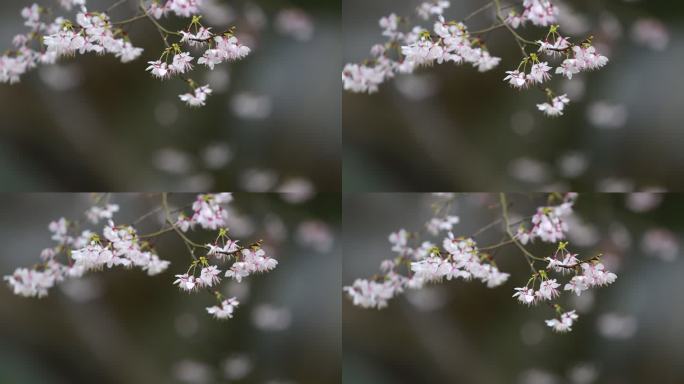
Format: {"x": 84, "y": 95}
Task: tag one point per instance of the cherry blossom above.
{"x": 31, "y": 283}
{"x": 209, "y": 212}
{"x": 419, "y": 263}
{"x": 85, "y": 251}
{"x": 555, "y": 107}
{"x": 225, "y": 311}
{"x": 186, "y": 282}
{"x": 253, "y": 260}
{"x": 399, "y": 240}
{"x": 97, "y": 213}
{"x": 371, "y": 294}
{"x": 407, "y": 50}
{"x": 548, "y": 290}
{"x": 525, "y": 295}
{"x": 576, "y": 285}
{"x": 564, "y": 324}
{"x": 158, "y": 69}
{"x": 435, "y": 225}
{"x": 548, "y": 223}
{"x": 516, "y": 79}
{"x": 209, "y": 276}
{"x": 182, "y": 62}
{"x": 78, "y": 252}
{"x": 198, "y": 97}
{"x": 94, "y": 32}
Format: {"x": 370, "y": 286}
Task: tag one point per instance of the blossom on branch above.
{"x": 450, "y": 41}
{"x": 50, "y": 39}
{"x": 417, "y": 263}
{"x": 79, "y": 252}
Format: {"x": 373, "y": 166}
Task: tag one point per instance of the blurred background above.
{"x": 122, "y": 326}
{"x": 462, "y": 332}
{"x": 451, "y": 128}
{"x": 93, "y": 123}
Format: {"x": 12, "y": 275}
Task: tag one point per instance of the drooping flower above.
{"x": 548, "y": 290}
{"x": 186, "y": 282}
{"x": 564, "y": 324}
{"x": 525, "y": 295}
{"x": 198, "y": 97}
{"x": 555, "y": 107}
{"x": 182, "y": 62}
{"x": 225, "y": 310}
{"x": 209, "y": 276}
{"x": 158, "y": 69}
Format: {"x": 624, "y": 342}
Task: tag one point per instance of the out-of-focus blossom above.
{"x": 615, "y": 185}
{"x": 643, "y": 201}
{"x": 604, "y": 114}
{"x": 192, "y": 372}
{"x": 296, "y": 190}
{"x": 583, "y": 373}
{"x": 296, "y": 23}
{"x": 529, "y": 170}
{"x": 251, "y": 106}
{"x": 237, "y": 366}
{"x": 217, "y": 155}
{"x": 258, "y": 180}
{"x": 660, "y": 243}
{"x": 572, "y": 164}
{"x": 172, "y": 161}
{"x": 617, "y": 326}
{"x": 651, "y": 33}
{"x": 315, "y": 234}
{"x": 267, "y": 317}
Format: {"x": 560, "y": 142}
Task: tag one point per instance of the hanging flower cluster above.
{"x": 79, "y": 252}
{"x": 461, "y": 258}
{"x": 587, "y": 274}
{"x": 452, "y": 41}
{"x": 48, "y": 40}
{"x": 202, "y": 274}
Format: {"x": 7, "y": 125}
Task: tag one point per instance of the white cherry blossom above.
{"x": 225, "y": 310}
{"x": 564, "y": 324}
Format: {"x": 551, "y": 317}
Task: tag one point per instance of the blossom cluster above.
{"x": 541, "y": 13}
{"x": 93, "y": 32}
{"x": 577, "y": 58}
{"x": 76, "y": 253}
{"x": 419, "y": 263}
{"x": 587, "y": 274}
{"x": 452, "y": 41}
{"x": 79, "y": 252}
{"x": 225, "y": 310}
{"x": 208, "y": 212}
{"x": 404, "y": 52}
{"x": 202, "y": 274}
{"x": 218, "y": 48}
{"x": 181, "y": 8}
{"x": 459, "y": 257}
{"x": 48, "y": 40}
{"x": 548, "y": 223}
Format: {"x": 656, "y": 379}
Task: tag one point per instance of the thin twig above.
{"x": 504, "y": 211}
{"x": 115, "y": 5}
{"x": 479, "y": 10}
